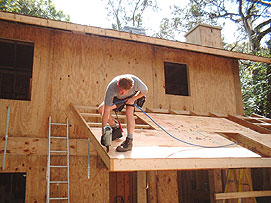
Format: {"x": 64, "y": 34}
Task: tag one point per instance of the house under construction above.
{"x": 193, "y": 144}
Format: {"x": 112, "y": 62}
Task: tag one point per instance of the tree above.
{"x": 252, "y": 18}
{"x": 129, "y": 12}
{"x": 38, "y": 8}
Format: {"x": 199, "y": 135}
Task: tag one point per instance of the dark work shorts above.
{"x": 120, "y": 105}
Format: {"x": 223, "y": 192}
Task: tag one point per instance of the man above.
{"x": 123, "y": 90}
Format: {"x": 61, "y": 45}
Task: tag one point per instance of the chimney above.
{"x": 205, "y": 35}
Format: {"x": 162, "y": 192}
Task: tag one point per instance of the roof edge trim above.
{"x": 127, "y": 36}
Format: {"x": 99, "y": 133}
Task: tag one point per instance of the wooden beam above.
{"x": 215, "y": 184}
{"x": 248, "y": 143}
{"x": 141, "y": 187}
{"x": 247, "y": 124}
{"x": 145, "y": 121}
{"x": 194, "y": 113}
{"x": 265, "y": 125}
{"x": 218, "y": 115}
{"x": 101, "y": 151}
{"x": 153, "y": 110}
{"x": 235, "y": 195}
{"x": 128, "y": 36}
{"x": 148, "y": 164}
{"x": 257, "y": 115}
{"x": 178, "y": 112}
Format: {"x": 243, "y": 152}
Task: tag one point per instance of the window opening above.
{"x": 16, "y": 66}
{"x": 176, "y": 79}
{"x": 12, "y": 187}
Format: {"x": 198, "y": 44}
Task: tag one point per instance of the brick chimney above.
{"x": 205, "y": 35}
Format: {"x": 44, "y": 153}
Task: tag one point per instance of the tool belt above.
{"x": 120, "y": 105}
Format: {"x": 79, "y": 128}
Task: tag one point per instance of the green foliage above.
{"x": 37, "y": 8}
{"x": 256, "y": 87}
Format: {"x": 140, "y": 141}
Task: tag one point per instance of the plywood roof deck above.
{"x": 155, "y": 150}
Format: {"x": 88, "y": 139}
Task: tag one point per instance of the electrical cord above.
{"x": 176, "y": 138}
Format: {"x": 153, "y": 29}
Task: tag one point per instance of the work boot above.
{"x": 125, "y": 146}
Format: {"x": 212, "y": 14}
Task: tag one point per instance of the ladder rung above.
{"x": 58, "y": 137}
{"x": 58, "y": 123}
{"x": 56, "y": 151}
{"x": 53, "y": 166}
{"x": 57, "y": 182}
{"x": 58, "y": 198}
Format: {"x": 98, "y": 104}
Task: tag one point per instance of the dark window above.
{"x": 16, "y": 65}
{"x": 176, "y": 79}
{"x": 12, "y": 187}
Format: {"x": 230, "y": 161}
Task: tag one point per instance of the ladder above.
{"x": 53, "y": 152}
{"x": 238, "y": 183}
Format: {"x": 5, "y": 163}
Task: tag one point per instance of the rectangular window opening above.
{"x": 176, "y": 79}
{"x": 12, "y": 187}
{"x": 16, "y": 66}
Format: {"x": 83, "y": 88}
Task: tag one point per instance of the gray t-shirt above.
{"x": 112, "y": 89}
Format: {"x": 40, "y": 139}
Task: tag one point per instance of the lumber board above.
{"x": 187, "y": 164}
{"x": 141, "y": 187}
{"x": 195, "y": 113}
{"x": 179, "y": 112}
{"x": 248, "y": 124}
{"x": 252, "y": 120}
{"x": 260, "y": 145}
{"x": 143, "y": 119}
{"x": 215, "y": 184}
{"x": 257, "y": 115}
{"x": 235, "y": 195}
{"x": 101, "y": 151}
{"x": 153, "y": 110}
{"x": 127, "y": 36}
{"x": 265, "y": 125}
{"x": 218, "y": 115}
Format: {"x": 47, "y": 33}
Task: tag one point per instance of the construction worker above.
{"x": 124, "y": 90}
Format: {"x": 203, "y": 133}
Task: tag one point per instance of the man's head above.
{"x": 125, "y": 84}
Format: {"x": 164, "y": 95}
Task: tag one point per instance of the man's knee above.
{"x": 129, "y": 111}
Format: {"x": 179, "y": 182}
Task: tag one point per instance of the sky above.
{"x": 93, "y": 13}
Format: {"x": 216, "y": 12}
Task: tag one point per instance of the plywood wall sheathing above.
{"x": 82, "y": 189}
{"x": 124, "y": 35}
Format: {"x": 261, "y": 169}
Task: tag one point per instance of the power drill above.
{"x": 106, "y": 138}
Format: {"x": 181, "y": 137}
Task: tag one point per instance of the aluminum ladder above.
{"x": 52, "y": 152}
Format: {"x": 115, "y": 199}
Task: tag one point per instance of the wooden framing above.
{"x": 127, "y": 36}
{"x": 250, "y": 125}
{"x": 74, "y": 63}
{"x": 140, "y": 159}
{"x": 236, "y": 195}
